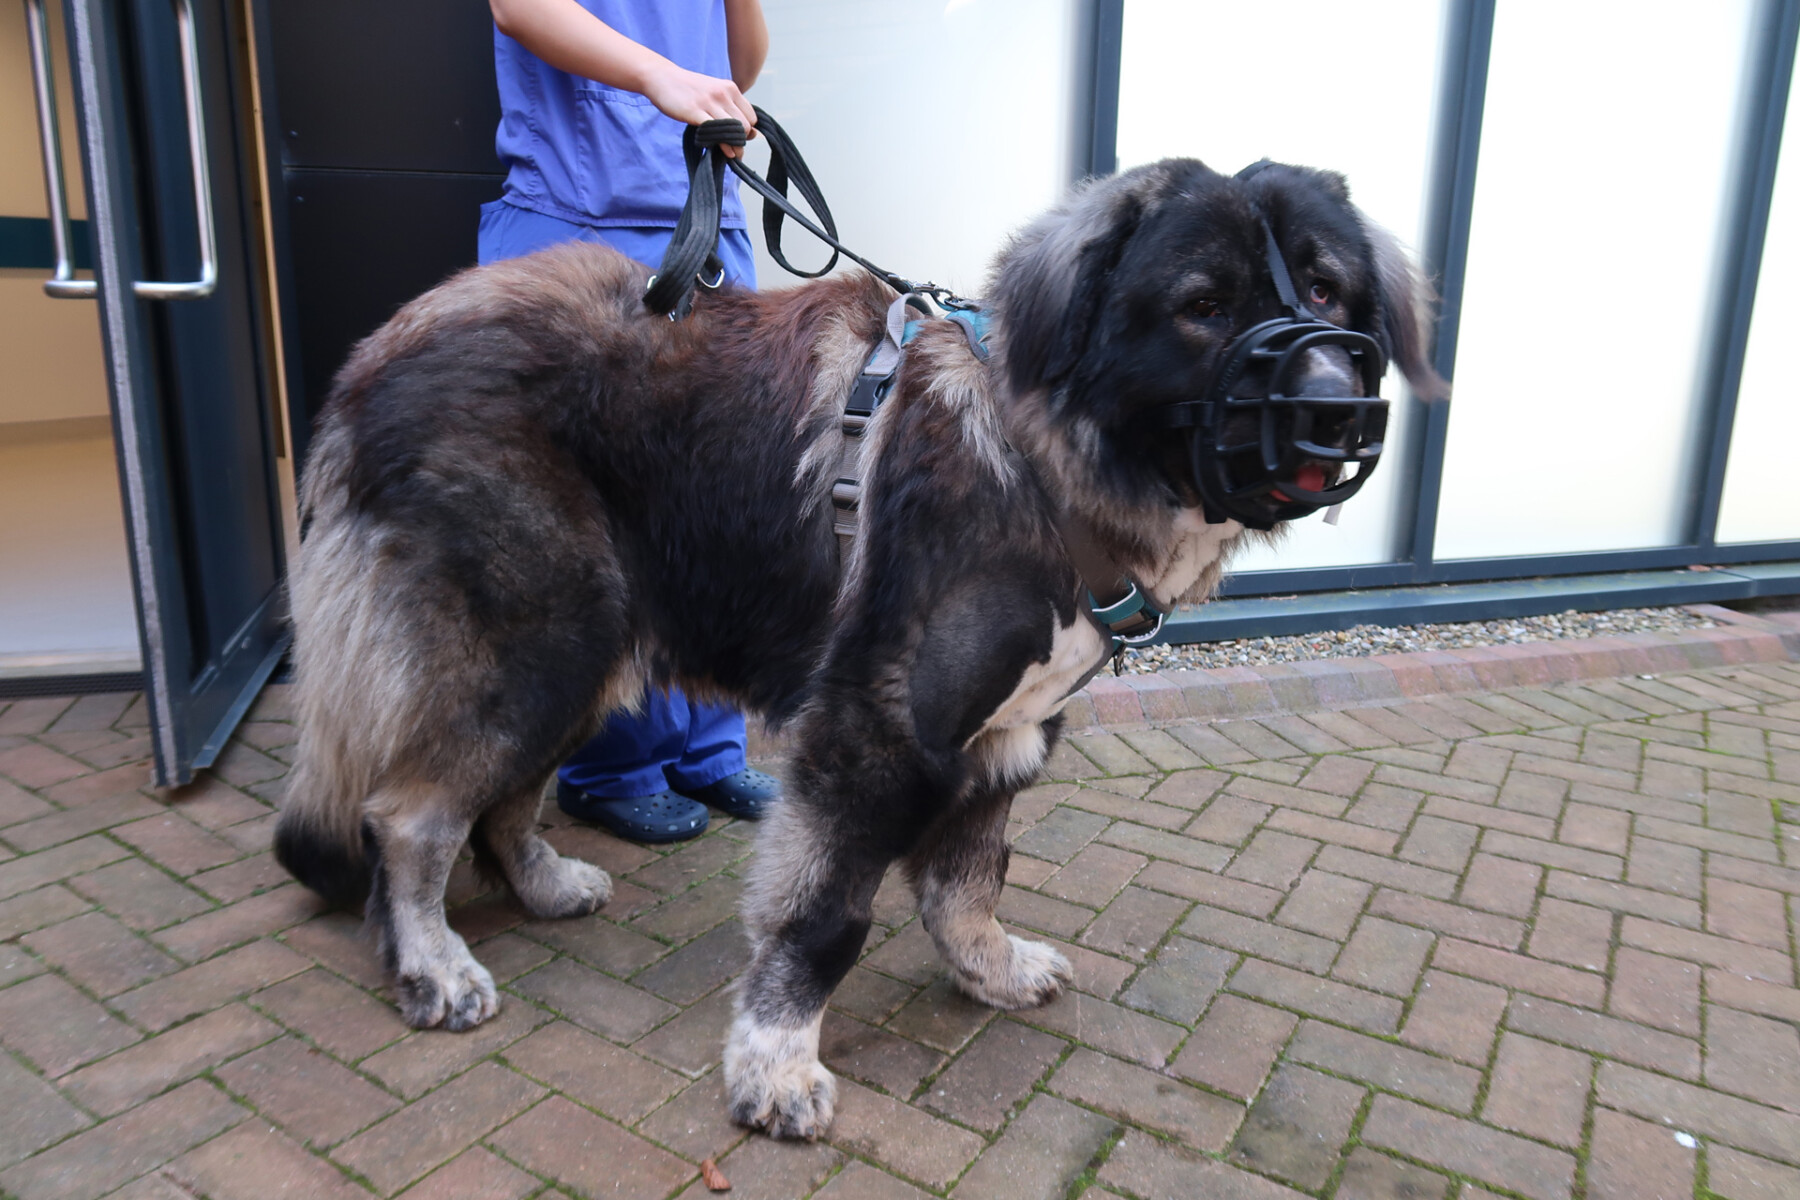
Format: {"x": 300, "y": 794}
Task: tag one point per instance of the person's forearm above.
{"x": 572, "y": 39}
{"x": 747, "y": 36}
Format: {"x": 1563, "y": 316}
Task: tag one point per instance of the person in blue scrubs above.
{"x": 594, "y": 95}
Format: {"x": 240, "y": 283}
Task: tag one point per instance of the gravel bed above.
{"x": 1364, "y": 640}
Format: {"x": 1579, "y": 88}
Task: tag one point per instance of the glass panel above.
{"x": 935, "y": 130}
{"x": 1348, "y": 87}
{"x": 1606, "y": 150}
{"x": 1759, "y": 504}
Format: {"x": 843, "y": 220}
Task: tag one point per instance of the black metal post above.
{"x": 1105, "y": 33}
{"x": 1469, "y": 40}
{"x": 1772, "y": 69}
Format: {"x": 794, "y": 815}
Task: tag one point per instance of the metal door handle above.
{"x": 63, "y": 284}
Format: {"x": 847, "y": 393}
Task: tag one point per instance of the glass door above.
{"x": 169, "y": 165}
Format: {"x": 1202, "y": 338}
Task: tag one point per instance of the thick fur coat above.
{"x": 527, "y": 496}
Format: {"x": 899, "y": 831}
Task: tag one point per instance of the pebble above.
{"x": 1364, "y": 640}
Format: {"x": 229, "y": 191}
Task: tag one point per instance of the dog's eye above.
{"x": 1203, "y": 309}
{"x": 1321, "y": 292}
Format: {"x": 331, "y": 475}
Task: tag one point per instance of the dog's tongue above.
{"x": 1310, "y": 478}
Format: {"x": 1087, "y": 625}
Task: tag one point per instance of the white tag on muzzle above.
{"x": 1331, "y": 514}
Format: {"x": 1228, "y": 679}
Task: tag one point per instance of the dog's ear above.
{"x": 1408, "y": 307}
{"x": 1050, "y": 284}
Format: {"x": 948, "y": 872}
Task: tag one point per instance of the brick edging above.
{"x": 1318, "y": 684}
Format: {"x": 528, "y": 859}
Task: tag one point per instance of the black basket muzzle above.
{"x": 1264, "y": 447}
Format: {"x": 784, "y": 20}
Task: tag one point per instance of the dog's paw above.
{"x": 774, "y": 1081}
{"x": 1035, "y": 975}
{"x": 457, "y": 995}
{"x": 565, "y": 887}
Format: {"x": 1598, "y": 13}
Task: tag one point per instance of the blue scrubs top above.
{"x": 581, "y": 151}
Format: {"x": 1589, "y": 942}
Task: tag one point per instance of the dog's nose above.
{"x": 1327, "y": 371}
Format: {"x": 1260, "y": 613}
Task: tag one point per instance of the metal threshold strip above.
{"x": 1316, "y": 612}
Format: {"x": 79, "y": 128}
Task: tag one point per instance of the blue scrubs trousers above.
{"x": 674, "y": 740}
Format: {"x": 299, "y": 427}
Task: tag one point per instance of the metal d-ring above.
{"x": 1140, "y": 639}
{"x": 714, "y": 285}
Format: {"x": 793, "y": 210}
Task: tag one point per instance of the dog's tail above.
{"x": 351, "y": 691}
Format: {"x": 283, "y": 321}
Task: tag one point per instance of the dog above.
{"x": 527, "y": 497}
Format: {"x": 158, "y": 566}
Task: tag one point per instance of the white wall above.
{"x": 1348, "y": 87}
{"x": 1759, "y": 504}
{"x": 934, "y": 129}
{"x": 1598, "y": 224}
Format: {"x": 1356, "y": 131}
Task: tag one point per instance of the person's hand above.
{"x": 690, "y": 97}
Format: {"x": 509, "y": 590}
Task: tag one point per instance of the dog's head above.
{"x": 1135, "y": 295}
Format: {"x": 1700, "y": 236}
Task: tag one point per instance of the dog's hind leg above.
{"x": 548, "y": 884}
{"x": 807, "y": 906}
{"x": 417, "y": 833}
{"x": 958, "y": 872}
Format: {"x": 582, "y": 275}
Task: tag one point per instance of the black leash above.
{"x": 692, "y": 257}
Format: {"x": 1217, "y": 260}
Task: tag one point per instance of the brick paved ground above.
{"x": 1531, "y": 943}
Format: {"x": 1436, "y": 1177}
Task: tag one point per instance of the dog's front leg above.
{"x": 807, "y": 908}
{"x": 959, "y": 871}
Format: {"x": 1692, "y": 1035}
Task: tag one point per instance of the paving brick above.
{"x": 1501, "y": 885}
{"x": 1296, "y": 1125}
{"x": 1317, "y": 997}
{"x": 1324, "y": 904}
{"x": 99, "y": 953}
{"x": 599, "y": 943}
{"x": 1108, "y": 803}
{"x": 1571, "y": 933}
{"x": 1756, "y": 961}
{"x": 994, "y": 1075}
{"x": 1163, "y": 751}
{"x": 100, "y": 1159}
{"x": 860, "y": 1181}
{"x": 1454, "y": 1017}
{"x": 941, "y": 1017}
{"x": 1537, "y": 794}
{"x": 592, "y": 1000}
{"x": 1229, "y": 820}
{"x": 254, "y": 917}
{"x": 36, "y": 766}
{"x": 1148, "y": 1098}
{"x": 1188, "y": 789}
{"x": 1753, "y": 995}
{"x": 670, "y": 873}
{"x": 1619, "y": 897}
{"x": 1384, "y": 956}
{"x": 1108, "y": 1027}
{"x": 1635, "y": 1160}
{"x": 17, "y": 804}
{"x": 1134, "y": 924}
{"x": 1042, "y": 912}
{"x": 1469, "y": 1149}
{"x": 1739, "y": 1176}
{"x": 1249, "y": 899}
{"x": 1143, "y": 1166}
{"x": 1451, "y": 919}
{"x": 120, "y": 781}
{"x": 35, "y": 910}
{"x": 56, "y": 1028}
{"x": 1371, "y": 1176}
{"x": 761, "y": 1169}
{"x": 1248, "y": 936}
{"x": 915, "y": 1144}
{"x": 1283, "y": 795}
{"x": 875, "y": 1056}
{"x": 693, "y": 1041}
{"x": 1753, "y": 1056}
{"x": 36, "y": 1115}
{"x": 139, "y": 895}
{"x": 1741, "y": 1123}
{"x": 1737, "y": 845}
{"x": 1744, "y": 913}
{"x": 1658, "y": 991}
{"x": 305, "y": 1092}
{"x": 1387, "y": 1066}
{"x": 1041, "y": 1154}
{"x": 1111, "y": 754}
{"x": 592, "y": 1156}
{"x": 475, "y": 1174}
{"x": 1094, "y": 876}
{"x": 433, "y": 1130}
{"x": 426, "y": 1058}
{"x": 133, "y": 1075}
{"x": 1538, "y": 1089}
{"x": 1518, "y": 971}
{"x": 1606, "y": 1036}
{"x": 1444, "y": 845}
{"x": 1372, "y": 868}
{"x": 1179, "y": 981}
{"x": 1233, "y": 1048}
{"x": 344, "y": 1020}
{"x": 1595, "y": 828}
{"x": 1273, "y": 859}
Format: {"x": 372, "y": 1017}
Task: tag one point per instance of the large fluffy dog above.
{"x": 527, "y": 497}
